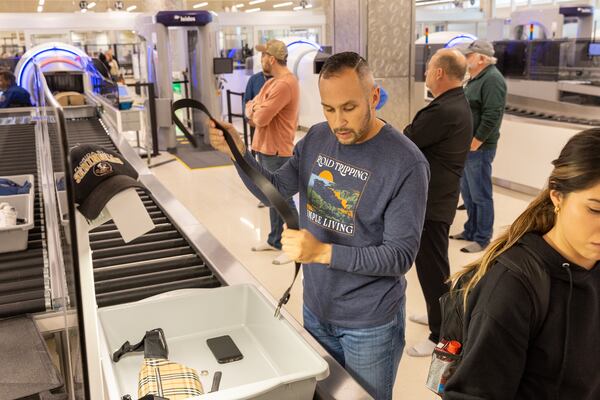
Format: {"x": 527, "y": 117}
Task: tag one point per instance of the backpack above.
{"x": 528, "y": 268}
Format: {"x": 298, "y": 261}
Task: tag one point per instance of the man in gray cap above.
{"x": 486, "y": 92}
{"x": 274, "y": 114}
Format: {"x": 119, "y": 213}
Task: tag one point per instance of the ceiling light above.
{"x": 200, "y": 5}
{"x": 40, "y": 8}
{"x": 42, "y": 2}
{"x": 252, "y": 10}
{"x": 214, "y": 13}
{"x": 287, "y": 3}
{"x": 131, "y": 8}
{"x": 91, "y": 5}
{"x": 253, "y": 2}
{"x": 239, "y": 5}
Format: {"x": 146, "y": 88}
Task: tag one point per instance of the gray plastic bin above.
{"x": 277, "y": 364}
{"x": 15, "y": 238}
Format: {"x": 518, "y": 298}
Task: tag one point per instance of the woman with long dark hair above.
{"x": 505, "y": 355}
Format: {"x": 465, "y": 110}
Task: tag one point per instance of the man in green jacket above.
{"x": 486, "y": 92}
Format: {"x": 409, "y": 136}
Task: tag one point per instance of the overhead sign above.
{"x": 577, "y": 11}
{"x": 183, "y": 18}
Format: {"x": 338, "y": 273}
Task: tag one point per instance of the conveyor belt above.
{"x": 160, "y": 261}
{"x": 536, "y": 114}
{"x": 22, "y": 288}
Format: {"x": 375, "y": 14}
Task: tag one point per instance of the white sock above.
{"x": 421, "y": 349}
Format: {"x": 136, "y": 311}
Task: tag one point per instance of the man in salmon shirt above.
{"x": 274, "y": 113}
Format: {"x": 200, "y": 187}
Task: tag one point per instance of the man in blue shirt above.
{"x": 12, "y": 95}
{"x": 363, "y": 189}
{"x": 255, "y": 83}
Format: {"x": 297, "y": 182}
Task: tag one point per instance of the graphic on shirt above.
{"x": 334, "y": 190}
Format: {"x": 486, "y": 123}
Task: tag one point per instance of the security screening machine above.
{"x": 188, "y": 40}
{"x": 72, "y": 77}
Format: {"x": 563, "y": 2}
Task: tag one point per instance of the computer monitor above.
{"x": 594, "y": 50}
{"x": 222, "y": 65}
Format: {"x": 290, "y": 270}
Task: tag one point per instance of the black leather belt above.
{"x": 262, "y": 183}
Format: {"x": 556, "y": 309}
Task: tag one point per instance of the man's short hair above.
{"x": 454, "y": 65}
{"x": 335, "y": 64}
{"x": 8, "y": 76}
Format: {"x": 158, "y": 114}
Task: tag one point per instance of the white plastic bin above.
{"x": 15, "y": 238}
{"x": 277, "y": 364}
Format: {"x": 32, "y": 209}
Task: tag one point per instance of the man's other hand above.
{"x": 217, "y": 140}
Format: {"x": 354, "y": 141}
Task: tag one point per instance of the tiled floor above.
{"x": 218, "y": 199}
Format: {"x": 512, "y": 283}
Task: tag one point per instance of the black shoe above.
{"x": 459, "y": 236}
{"x": 461, "y": 207}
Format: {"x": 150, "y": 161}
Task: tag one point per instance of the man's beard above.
{"x": 267, "y": 69}
{"x": 357, "y": 135}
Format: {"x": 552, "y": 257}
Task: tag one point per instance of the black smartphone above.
{"x": 224, "y": 349}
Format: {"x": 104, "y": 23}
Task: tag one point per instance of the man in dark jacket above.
{"x": 13, "y": 95}
{"x": 443, "y": 132}
{"x": 486, "y": 92}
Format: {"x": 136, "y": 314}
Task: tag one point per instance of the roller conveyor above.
{"x": 22, "y": 282}
{"x": 160, "y": 261}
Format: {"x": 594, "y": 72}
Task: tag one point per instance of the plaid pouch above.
{"x": 158, "y": 375}
{"x": 168, "y": 379}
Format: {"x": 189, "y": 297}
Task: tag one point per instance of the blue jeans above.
{"x": 272, "y": 164}
{"x": 370, "y": 355}
{"x": 476, "y": 191}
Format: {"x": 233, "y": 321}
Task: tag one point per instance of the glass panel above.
{"x": 61, "y": 324}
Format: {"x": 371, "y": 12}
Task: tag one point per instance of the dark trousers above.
{"x": 272, "y": 164}
{"x": 433, "y": 269}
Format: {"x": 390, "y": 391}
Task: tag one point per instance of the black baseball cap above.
{"x": 98, "y": 175}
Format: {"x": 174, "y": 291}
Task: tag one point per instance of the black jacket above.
{"x": 443, "y": 131}
{"x": 502, "y": 360}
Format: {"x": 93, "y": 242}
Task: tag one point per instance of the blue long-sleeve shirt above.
{"x": 15, "y": 96}
{"x": 368, "y": 200}
{"x": 255, "y": 83}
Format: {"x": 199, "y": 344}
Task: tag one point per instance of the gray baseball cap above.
{"x": 477, "y": 46}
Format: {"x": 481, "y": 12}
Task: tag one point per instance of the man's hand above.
{"x": 217, "y": 140}
{"x": 303, "y": 247}
{"x": 250, "y": 112}
{"x": 475, "y": 144}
